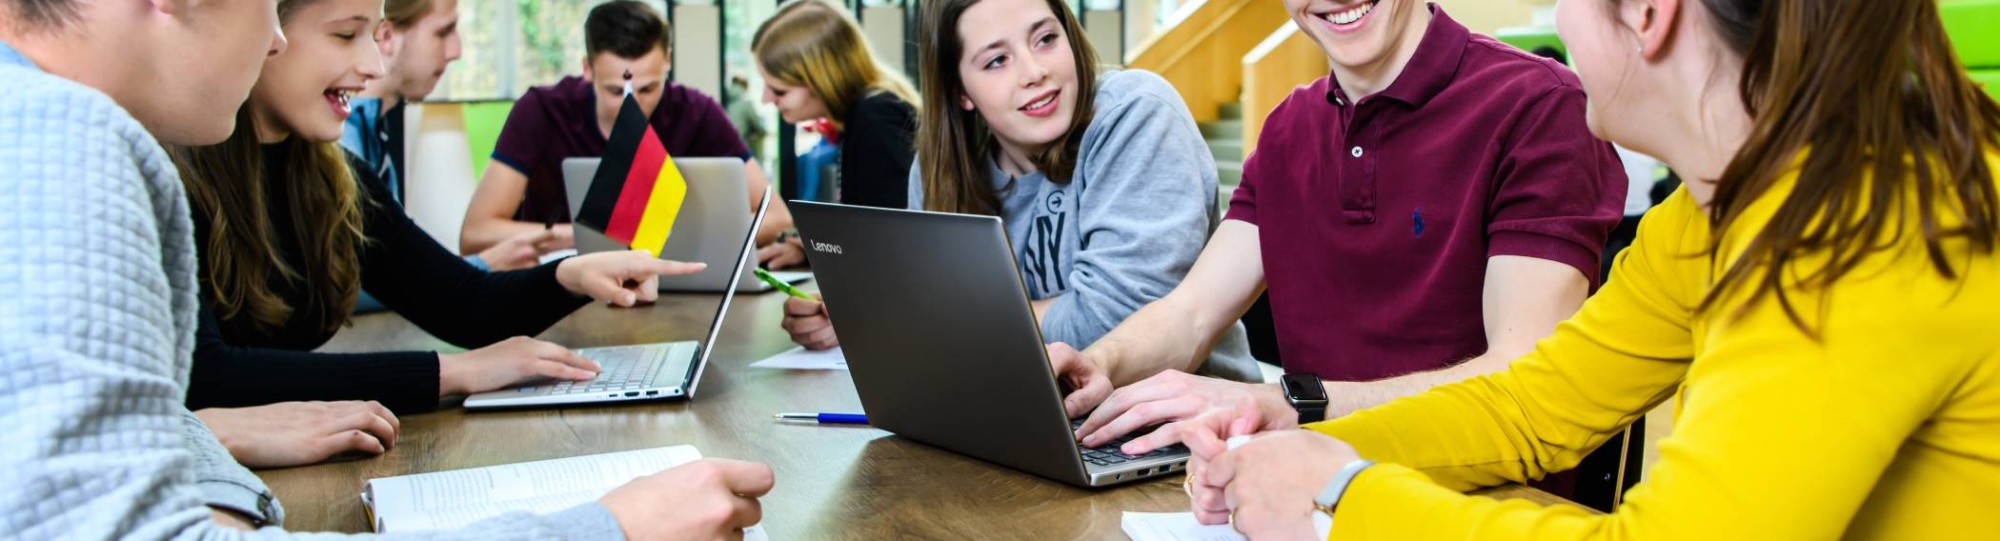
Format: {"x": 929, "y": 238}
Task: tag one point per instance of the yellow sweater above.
{"x": 1888, "y": 428}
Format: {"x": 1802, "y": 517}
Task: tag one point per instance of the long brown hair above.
{"x": 1865, "y": 89}
{"x": 225, "y": 184}
{"x": 818, "y": 45}
{"x": 955, "y": 146}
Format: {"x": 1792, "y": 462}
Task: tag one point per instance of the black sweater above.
{"x": 236, "y": 364}
{"x": 877, "y": 145}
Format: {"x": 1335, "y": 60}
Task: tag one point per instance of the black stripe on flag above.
{"x": 602, "y": 198}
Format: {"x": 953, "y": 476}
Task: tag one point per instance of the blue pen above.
{"x": 826, "y": 418}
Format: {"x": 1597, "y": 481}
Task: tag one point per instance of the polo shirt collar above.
{"x": 1430, "y": 70}
{"x": 11, "y": 57}
{"x": 363, "y": 105}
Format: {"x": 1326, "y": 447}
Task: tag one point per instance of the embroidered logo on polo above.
{"x": 1041, "y": 259}
{"x": 1417, "y": 223}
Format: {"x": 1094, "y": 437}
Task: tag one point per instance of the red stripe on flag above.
{"x": 646, "y": 163}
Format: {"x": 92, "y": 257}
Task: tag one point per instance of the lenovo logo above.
{"x": 825, "y": 248}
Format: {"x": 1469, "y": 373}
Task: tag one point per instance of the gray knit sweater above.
{"x": 97, "y": 321}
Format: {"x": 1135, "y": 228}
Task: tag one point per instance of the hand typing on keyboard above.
{"x": 1109, "y": 453}
{"x": 509, "y": 363}
{"x": 624, "y": 369}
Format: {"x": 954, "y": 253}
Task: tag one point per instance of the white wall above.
{"x": 1487, "y": 16}
{"x": 696, "y": 34}
{"x": 1141, "y": 20}
{"x": 438, "y": 185}
{"x": 1102, "y": 27}
{"x": 882, "y": 26}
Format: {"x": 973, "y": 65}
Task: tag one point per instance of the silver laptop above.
{"x": 943, "y": 345}
{"x": 633, "y": 373}
{"x": 704, "y": 231}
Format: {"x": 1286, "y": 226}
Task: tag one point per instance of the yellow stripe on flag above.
{"x": 661, "y": 209}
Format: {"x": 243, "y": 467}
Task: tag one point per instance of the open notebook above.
{"x": 452, "y": 499}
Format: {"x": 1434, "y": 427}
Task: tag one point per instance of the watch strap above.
{"x": 1329, "y": 497}
{"x": 1309, "y": 413}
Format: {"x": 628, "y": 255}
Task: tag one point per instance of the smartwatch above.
{"x": 1307, "y": 396}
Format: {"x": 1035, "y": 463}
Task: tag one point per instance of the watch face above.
{"x": 1304, "y": 387}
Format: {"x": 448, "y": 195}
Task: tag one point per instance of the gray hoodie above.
{"x": 1129, "y": 224}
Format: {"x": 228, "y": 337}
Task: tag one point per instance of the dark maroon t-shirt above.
{"x": 1376, "y": 218}
{"x": 553, "y": 123}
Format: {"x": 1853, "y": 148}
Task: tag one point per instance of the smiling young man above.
{"x": 522, "y": 190}
{"x": 418, "y": 39}
{"x": 1420, "y": 216}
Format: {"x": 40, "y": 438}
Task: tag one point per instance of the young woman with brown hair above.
{"x": 288, "y": 235}
{"x": 1102, "y": 179}
{"x": 1819, "y": 298}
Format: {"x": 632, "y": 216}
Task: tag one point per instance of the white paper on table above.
{"x": 799, "y": 358}
{"x": 1174, "y": 527}
{"x": 454, "y": 499}
{"x": 558, "y": 254}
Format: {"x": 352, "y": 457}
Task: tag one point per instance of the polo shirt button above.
{"x": 1356, "y": 152}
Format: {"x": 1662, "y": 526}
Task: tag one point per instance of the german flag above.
{"x": 637, "y": 191}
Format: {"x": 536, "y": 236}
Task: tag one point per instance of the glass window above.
{"x": 510, "y": 45}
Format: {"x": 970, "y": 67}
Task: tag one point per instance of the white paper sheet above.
{"x": 1174, "y": 527}
{"x": 558, "y": 254}
{"x": 454, "y": 499}
{"x": 799, "y": 358}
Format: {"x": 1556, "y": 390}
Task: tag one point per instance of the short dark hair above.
{"x": 31, "y": 15}
{"x": 627, "y": 28}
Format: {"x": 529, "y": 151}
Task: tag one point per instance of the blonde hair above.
{"x": 818, "y": 45}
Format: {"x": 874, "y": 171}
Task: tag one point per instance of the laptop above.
{"x": 704, "y": 231}
{"x": 633, "y": 373}
{"x": 943, "y": 346}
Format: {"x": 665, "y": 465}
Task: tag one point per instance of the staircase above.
{"x": 1225, "y": 141}
{"x": 1202, "y": 56}
{"x": 1232, "y": 61}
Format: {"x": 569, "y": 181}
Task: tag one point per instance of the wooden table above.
{"x": 832, "y": 482}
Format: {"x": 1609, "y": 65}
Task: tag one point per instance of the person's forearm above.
{"x": 1161, "y": 336}
{"x": 1345, "y": 397}
{"x": 1041, "y": 307}
{"x": 776, "y": 221}
{"x": 230, "y": 519}
{"x": 485, "y": 233}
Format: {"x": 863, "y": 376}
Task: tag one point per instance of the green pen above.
{"x": 782, "y": 286}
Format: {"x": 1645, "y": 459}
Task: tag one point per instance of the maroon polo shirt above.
{"x": 1376, "y": 216}
{"x": 553, "y": 123}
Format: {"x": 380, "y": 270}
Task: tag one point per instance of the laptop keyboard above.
{"x": 625, "y": 368}
{"x": 1109, "y": 455}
